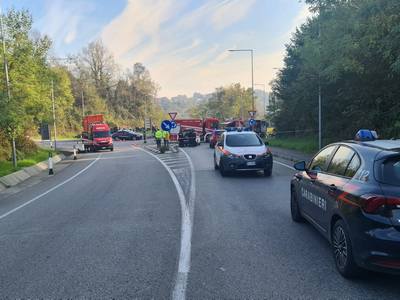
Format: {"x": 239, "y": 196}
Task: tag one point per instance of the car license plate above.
{"x": 251, "y": 163}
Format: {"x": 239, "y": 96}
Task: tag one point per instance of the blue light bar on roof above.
{"x": 366, "y": 135}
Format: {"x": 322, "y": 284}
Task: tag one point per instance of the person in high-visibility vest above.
{"x": 158, "y": 136}
{"x": 166, "y": 139}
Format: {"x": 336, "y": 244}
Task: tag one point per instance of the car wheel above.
{"x": 222, "y": 170}
{"x": 294, "y": 208}
{"x": 343, "y": 251}
{"x": 267, "y": 172}
{"x": 215, "y": 164}
{"x": 112, "y": 149}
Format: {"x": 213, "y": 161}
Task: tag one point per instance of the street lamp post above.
{"x": 252, "y": 70}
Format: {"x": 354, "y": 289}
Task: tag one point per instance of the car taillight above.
{"x": 373, "y": 203}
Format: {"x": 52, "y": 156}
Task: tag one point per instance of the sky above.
{"x": 183, "y": 43}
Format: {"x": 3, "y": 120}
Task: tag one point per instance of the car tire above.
{"x": 342, "y": 251}
{"x": 215, "y": 164}
{"x": 295, "y": 209}
{"x": 267, "y": 172}
{"x": 112, "y": 149}
{"x": 222, "y": 170}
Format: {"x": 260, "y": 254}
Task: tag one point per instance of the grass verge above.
{"x": 6, "y": 167}
{"x": 304, "y": 144}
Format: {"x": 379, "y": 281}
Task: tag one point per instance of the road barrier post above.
{"x": 51, "y": 172}
{"x": 75, "y": 158}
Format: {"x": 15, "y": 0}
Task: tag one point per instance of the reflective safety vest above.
{"x": 159, "y": 134}
{"x": 166, "y": 135}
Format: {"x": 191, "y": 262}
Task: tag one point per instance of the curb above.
{"x": 22, "y": 175}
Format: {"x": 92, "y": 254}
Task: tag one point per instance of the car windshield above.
{"x": 101, "y": 134}
{"x": 243, "y": 140}
{"x": 388, "y": 171}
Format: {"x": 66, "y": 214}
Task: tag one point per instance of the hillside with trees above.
{"x": 350, "y": 49}
{"x": 90, "y": 82}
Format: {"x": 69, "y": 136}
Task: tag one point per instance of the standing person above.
{"x": 158, "y": 136}
{"x": 166, "y": 139}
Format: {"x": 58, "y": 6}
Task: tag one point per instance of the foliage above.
{"x": 90, "y": 78}
{"x": 229, "y": 102}
{"x": 351, "y": 49}
{"x": 28, "y": 160}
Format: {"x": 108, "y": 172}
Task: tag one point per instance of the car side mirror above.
{"x": 266, "y": 143}
{"x": 300, "y": 166}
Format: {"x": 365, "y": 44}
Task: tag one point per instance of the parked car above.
{"x": 127, "y": 135}
{"x": 188, "y": 137}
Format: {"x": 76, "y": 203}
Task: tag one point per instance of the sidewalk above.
{"x": 291, "y": 155}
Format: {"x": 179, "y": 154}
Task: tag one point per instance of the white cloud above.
{"x": 140, "y": 20}
{"x": 61, "y": 20}
{"x": 231, "y": 11}
{"x": 185, "y": 49}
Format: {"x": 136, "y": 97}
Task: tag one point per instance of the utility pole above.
{"x": 14, "y": 150}
{"x": 145, "y": 116}
{"x": 54, "y": 115}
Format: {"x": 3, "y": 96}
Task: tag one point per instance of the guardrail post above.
{"x": 50, "y": 164}
{"x": 75, "y": 158}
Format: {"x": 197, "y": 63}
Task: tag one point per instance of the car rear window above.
{"x": 388, "y": 171}
{"x": 243, "y": 140}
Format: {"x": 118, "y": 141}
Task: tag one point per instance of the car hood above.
{"x": 258, "y": 150}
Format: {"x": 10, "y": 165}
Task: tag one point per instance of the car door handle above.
{"x": 332, "y": 189}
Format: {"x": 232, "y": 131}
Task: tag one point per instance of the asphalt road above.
{"x": 110, "y": 226}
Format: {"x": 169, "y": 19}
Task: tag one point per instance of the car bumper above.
{"x": 242, "y": 164}
{"x": 379, "y": 250}
{"x": 103, "y": 147}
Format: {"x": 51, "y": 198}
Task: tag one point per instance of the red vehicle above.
{"x": 96, "y": 134}
{"x": 201, "y": 126}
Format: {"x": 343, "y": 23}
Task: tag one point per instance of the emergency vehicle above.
{"x": 202, "y": 127}
{"x": 350, "y": 192}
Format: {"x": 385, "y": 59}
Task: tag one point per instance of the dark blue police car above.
{"x": 350, "y": 191}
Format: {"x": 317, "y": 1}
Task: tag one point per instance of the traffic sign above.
{"x": 252, "y": 113}
{"x": 173, "y": 124}
{"x": 172, "y": 115}
{"x": 166, "y": 125}
{"x": 252, "y": 122}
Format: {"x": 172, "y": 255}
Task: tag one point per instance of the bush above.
{"x": 25, "y": 145}
{"x": 5, "y": 147}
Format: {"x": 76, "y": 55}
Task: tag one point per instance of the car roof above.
{"x": 382, "y": 145}
{"x": 239, "y": 132}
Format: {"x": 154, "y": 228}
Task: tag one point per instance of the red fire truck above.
{"x": 201, "y": 126}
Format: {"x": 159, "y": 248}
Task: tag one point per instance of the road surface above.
{"x": 130, "y": 224}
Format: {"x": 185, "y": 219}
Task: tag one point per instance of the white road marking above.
{"x": 184, "y": 262}
{"x": 50, "y": 190}
{"x": 285, "y": 165}
{"x": 179, "y": 291}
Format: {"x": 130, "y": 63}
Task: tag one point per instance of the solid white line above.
{"x": 179, "y": 291}
{"x": 285, "y": 165}
{"x": 50, "y": 190}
